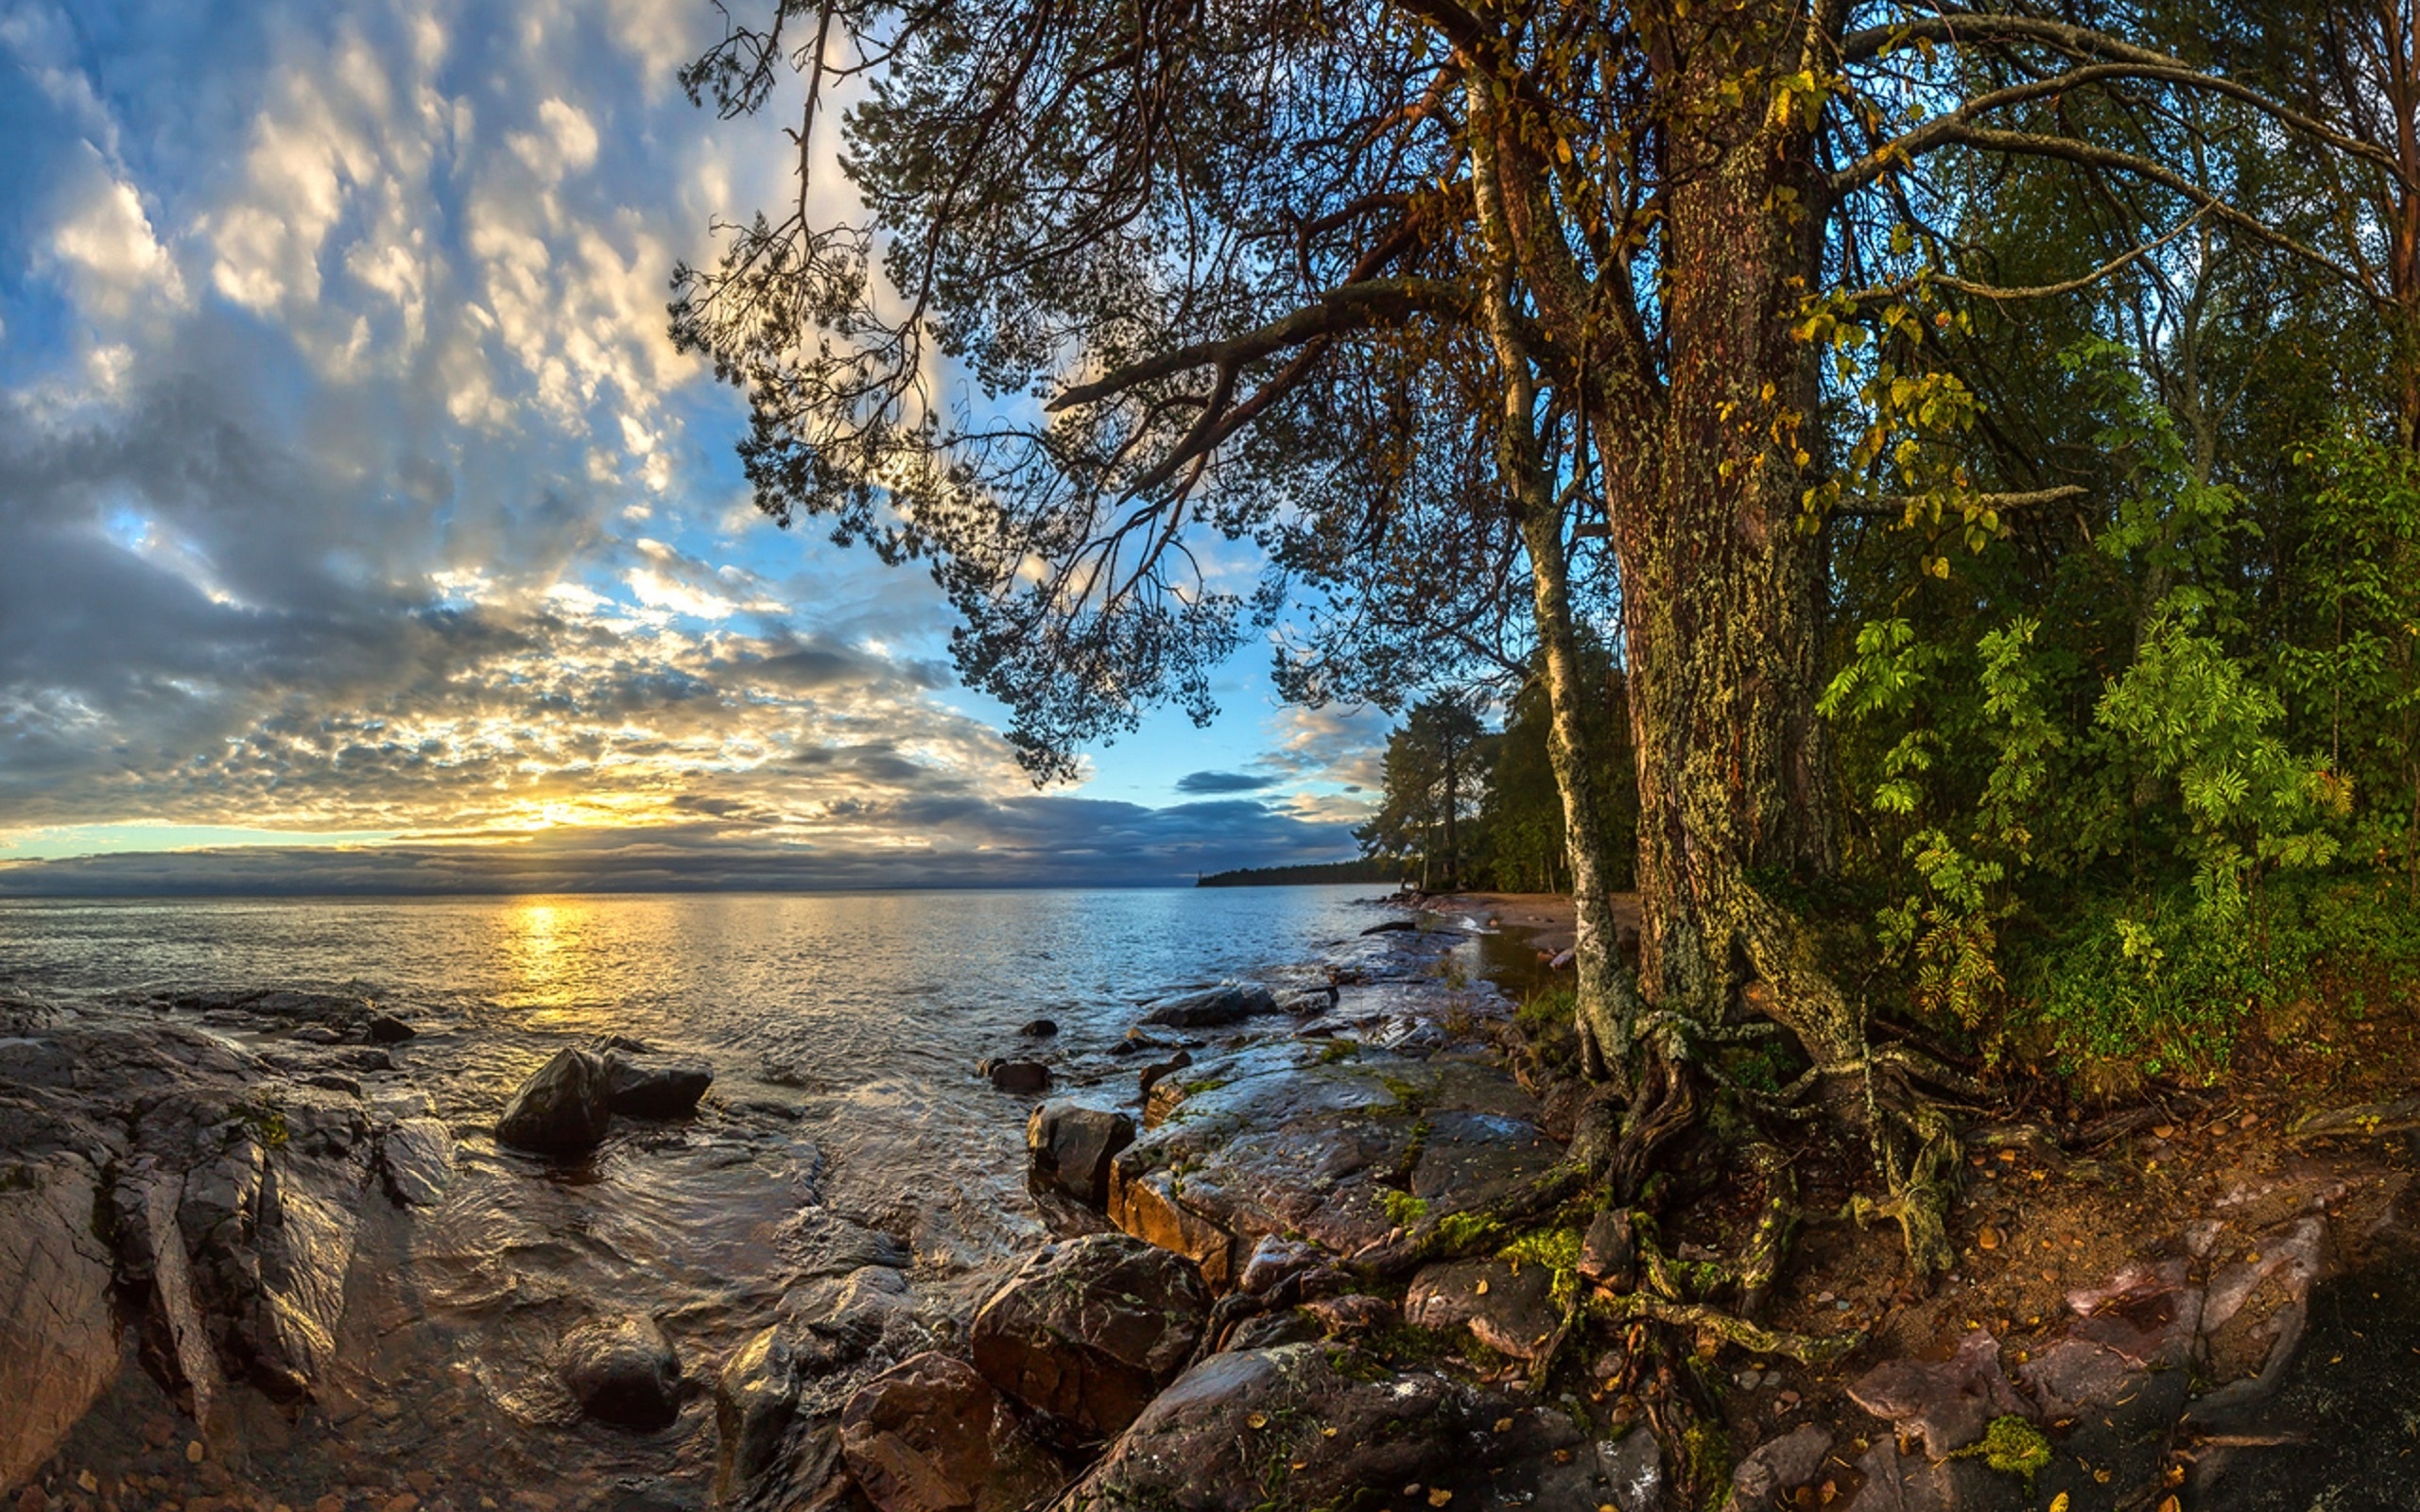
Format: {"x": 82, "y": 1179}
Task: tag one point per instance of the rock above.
{"x": 1286, "y": 1426}
{"x": 755, "y": 1400}
{"x": 1777, "y": 1468}
{"x": 637, "y": 1091}
{"x": 1088, "y": 1331}
{"x": 1153, "y": 1075}
{"x": 2149, "y": 1314}
{"x": 622, "y": 1371}
{"x": 930, "y": 1435}
{"x": 173, "y": 1292}
{"x": 385, "y": 1029}
{"x": 316, "y": 1034}
{"x": 59, "y": 1343}
{"x": 1271, "y": 1260}
{"x": 1393, "y": 926}
{"x": 1040, "y": 1029}
{"x": 1469, "y": 1159}
{"x": 1609, "y": 1253}
{"x": 1906, "y": 1482}
{"x": 1285, "y": 1146}
{"x": 417, "y": 1157}
{"x": 1023, "y": 1078}
{"x": 1510, "y": 1311}
{"x": 563, "y": 1109}
{"x": 1211, "y": 1007}
{"x": 1070, "y": 1147}
{"x": 1162, "y": 1100}
{"x": 1948, "y": 1402}
{"x": 1353, "y": 1312}
{"x": 846, "y": 1317}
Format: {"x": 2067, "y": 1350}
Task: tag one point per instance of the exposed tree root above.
{"x": 2359, "y": 1121}
{"x": 1760, "y": 1264}
{"x": 1810, "y": 1349}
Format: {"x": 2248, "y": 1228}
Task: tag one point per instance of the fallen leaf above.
{"x": 1258, "y": 1419}
{"x": 1481, "y": 1287}
{"x": 1440, "y": 1496}
{"x": 2163, "y": 1131}
{"x": 1504, "y": 1425}
{"x": 2059, "y": 1503}
{"x": 1987, "y": 1237}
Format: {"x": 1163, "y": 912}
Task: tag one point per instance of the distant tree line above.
{"x": 1464, "y": 806}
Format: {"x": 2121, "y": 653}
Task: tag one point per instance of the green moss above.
{"x": 1465, "y": 1230}
{"x": 1337, "y": 1050}
{"x": 2011, "y": 1445}
{"x": 1707, "y": 1461}
{"x": 263, "y": 1116}
{"x": 1558, "y": 1250}
{"x": 1402, "y": 1208}
{"x": 1207, "y": 1084}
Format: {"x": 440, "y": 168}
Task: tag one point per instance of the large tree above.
{"x": 1438, "y": 304}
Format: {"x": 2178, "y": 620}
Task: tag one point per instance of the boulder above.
{"x": 1271, "y": 1260}
{"x": 1088, "y": 1331}
{"x": 1509, "y": 1310}
{"x": 1777, "y": 1468}
{"x": 1211, "y": 1007}
{"x": 1153, "y": 1075}
{"x": 563, "y": 1109}
{"x": 417, "y": 1157}
{"x": 1302, "y": 1425}
{"x": 1609, "y": 1253}
{"x": 622, "y": 1371}
{"x": 59, "y": 1346}
{"x": 1040, "y": 1029}
{"x": 930, "y": 1435}
{"x": 637, "y": 1091}
{"x": 385, "y": 1029}
{"x": 1069, "y": 1148}
{"x": 1945, "y": 1403}
{"x": 1023, "y": 1078}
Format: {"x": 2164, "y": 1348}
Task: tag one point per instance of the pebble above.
{"x": 193, "y": 1450}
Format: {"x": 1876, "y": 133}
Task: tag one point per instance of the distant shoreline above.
{"x": 1312, "y": 875}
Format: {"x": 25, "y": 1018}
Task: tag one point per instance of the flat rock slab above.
{"x": 1470, "y": 1159}
{"x": 1296, "y": 1146}
{"x": 1947, "y": 1403}
{"x": 1089, "y": 1330}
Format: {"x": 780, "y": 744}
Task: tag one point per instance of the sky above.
{"x": 360, "y": 529}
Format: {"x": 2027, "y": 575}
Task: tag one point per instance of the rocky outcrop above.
{"x": 1280, "y": 1141}
{"x": 1089, "y": 1330}
{"x": 1211, "y": 1007}
{"x": 623, "y": 1372}
{"x": 59, "y": 1343}
{"x": 636, "y": 1089}
{"x": 1945, "y": 1403}
{"x": 930, "y": 1435}
{"x": 1303, "y": 1425}
{"x": 563, "y": 1108}
{"x": 1068, "y": 1148}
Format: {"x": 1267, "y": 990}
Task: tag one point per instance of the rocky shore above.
{"x": 213, "y": 1217}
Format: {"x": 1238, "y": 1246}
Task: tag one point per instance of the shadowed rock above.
{"x": 57, "y": 1339}
{"x": 1070, "y": 1147}
{"x": 1211, "y": 1007}
{"x": 1239, "y": 1428}
{"x": 1089, "y": 1330}
{"x": 1947, "y": 1402}
{"x": 623, "y": 1372}
{"x": 638, "y": 1090}
{"x": 1777, "y": 1468}
{"x": 930, "y": 1435}
{"x": 563, "y": 1109}
{"x": 1507, "y": 1310}
{"x": 1023, "y": 1078}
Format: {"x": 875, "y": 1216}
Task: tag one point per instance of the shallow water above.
{"x": 843, "y": 1031}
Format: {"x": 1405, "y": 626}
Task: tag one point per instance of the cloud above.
{"x": 334, "y": 395}
{"x": 1224, "y": 782}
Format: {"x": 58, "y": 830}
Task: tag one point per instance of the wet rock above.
{"x": 1634, "y": 1469}
{"x": 1211, "y": 1007}
{"x": 57, "y": 1339}
{"x": 1510, "y": 1311}
{"x": 1089, "y": 1330}
{"x": 930, "y": 1435}
{"x": 1609, "y": 1252}
{"x": 1040, "y": 1029}
{"x": 416, "y": 1157}
{"x": 1272, "y": 1331}
{"x": 302, "y": 1247}
{"x": 1777, "y": 1468}
{"x": 845, "y": 1319}
{"x": 385, "y": 1029}
{"x": 1022, "y": 1077}
{"x": 1070, "y": 1147}
{"x": 638, "y": 1090}
{"x": 756, "y": 1400}
{"x": 1152, "y": 1075}
{"x": 1286, "y": 1426}
{"x": 1353, "y": 1312}
{"x": 1280, "y": 1145}
{"x": 622, "y": 1371}
{"x": 1947, "y": 1402}
{"x": 1160, "y": 1100}
{"x": 563, "y": 1109}
{"x": 148, "y": 1223}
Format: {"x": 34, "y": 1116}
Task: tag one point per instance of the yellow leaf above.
{"x": 2059, "y": 1503}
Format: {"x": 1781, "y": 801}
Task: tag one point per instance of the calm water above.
{"x": 843, "y": 1031}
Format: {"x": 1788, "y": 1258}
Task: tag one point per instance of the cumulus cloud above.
{"x": 334, "y": 401}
